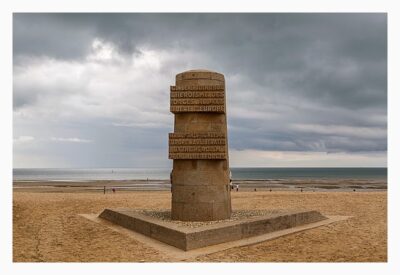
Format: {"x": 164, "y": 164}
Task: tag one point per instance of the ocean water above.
{"x": 37, "y": 174}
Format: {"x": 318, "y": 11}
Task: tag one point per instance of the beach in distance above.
{"x": 313, "y": 179}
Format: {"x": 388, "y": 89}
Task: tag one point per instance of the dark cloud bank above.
{"x": 92, "y": 89}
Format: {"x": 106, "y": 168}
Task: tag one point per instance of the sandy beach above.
{"x": 47, "y": 227}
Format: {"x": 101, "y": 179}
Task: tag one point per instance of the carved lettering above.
{"x": 188, "y": 141}
{"x": 206, "y": 145}
{"x": 198, "y": 108}
{"x": 197, "y": 135}
{"x": 207, "y": 101}
{"x": 197, "y": 94}
{"x": 197, "y": 149}
{"x": 198, "y": 88}
{"x": 197, "y": 155}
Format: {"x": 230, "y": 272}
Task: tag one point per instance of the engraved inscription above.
{"x": 201, "y": 101}
{"x": 197, "y": 99}
{"x": 188, "y": 141}
{"x": 197, "y": 149}
{"x": 197, "y": 94}
{"x": 210, "y": 145}
{"x": 197, "y": 156}
{"x": 198, "y": 88}
{"x": 198, "y": 108}
{"x": 197, "y": 135}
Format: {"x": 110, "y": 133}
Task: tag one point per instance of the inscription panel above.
{"x": 197, "y": 145}
{"x": 197, "y": 99}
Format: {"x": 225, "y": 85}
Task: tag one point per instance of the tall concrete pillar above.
{"x": 199, "y": 147}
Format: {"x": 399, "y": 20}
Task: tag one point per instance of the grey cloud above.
{"x": 281, "y": 70}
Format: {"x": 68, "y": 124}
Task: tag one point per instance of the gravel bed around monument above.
{"x": 165, "y": 215}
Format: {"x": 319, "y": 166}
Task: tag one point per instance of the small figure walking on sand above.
{"x": 170, "y": 179}
{"x": 113, "y": 190}
{"x": 230, "y": 180}
{"x": 104, "y": 190}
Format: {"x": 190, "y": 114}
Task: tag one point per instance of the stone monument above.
{"x": 199, "y": 147}
{"x": 200, "y": 179}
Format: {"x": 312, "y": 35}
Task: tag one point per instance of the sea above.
{"x": 87, "y": 174}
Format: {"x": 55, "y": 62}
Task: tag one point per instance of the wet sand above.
{"x": 47, "y": 227}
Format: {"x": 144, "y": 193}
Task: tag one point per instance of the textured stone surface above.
{"x": 183, "y": 235}
{"x": 199, "y": 147}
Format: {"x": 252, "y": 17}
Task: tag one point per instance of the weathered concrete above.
{"x": 199, "y": 148}
{"x": 176, "y": 254}
{"x": 188, "y": 238}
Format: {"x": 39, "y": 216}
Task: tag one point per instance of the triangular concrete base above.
{"x": 187, "y": 236}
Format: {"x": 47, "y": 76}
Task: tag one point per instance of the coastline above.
{"x": 315, "y": 185}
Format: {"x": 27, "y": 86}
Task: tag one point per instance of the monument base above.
{"x": 191, "y": 235}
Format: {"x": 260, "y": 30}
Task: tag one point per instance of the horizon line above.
{"x": 171, "y": 167}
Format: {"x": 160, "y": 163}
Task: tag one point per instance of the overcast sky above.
{"x": 92, "y": 90}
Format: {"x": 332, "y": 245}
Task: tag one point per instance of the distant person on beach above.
{"x": 104, "y": 191}
{"x": 230, "y": 179}
{"x": 170, "y": 179}
{"x": 113, "y": 190}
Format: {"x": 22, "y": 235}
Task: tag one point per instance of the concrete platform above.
{"x": 188, "y": 236}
